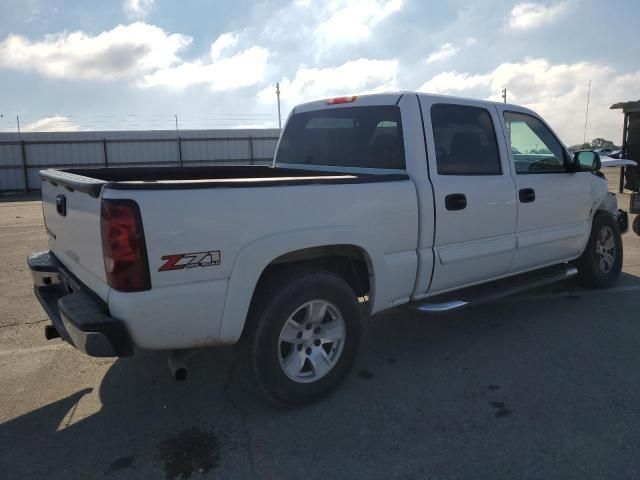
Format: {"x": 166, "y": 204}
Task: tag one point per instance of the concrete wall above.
{"x": 24, "y": 155}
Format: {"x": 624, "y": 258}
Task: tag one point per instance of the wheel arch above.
{"x": 316, "y": 248}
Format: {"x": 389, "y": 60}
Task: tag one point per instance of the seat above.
{"x": 386, "y": 152}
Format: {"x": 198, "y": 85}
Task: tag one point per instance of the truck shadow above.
{"x": 421, "y": 384}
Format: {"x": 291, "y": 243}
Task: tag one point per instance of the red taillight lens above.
{"x": 337, "y": 100}
{"x": 123, "y": 246}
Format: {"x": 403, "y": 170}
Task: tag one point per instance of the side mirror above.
{"x": 586, "y": 161}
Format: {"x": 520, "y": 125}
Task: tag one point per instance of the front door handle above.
{"x": 455, "y": 201}
{"x": 527, "y": 195}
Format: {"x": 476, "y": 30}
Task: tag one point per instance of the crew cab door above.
{"x": 554, "y": 204}
{"x": 474, "y": 193}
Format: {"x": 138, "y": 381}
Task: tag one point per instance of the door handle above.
{"x": 527, "y": 195}
{"x": 455, "y": 201}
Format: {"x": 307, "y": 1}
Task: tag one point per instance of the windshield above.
{"x": 366, "y": 137}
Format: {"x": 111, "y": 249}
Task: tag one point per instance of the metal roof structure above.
{"x": 626, "y": 107}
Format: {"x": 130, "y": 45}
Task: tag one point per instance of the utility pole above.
{"x": 278, "y": 95}
{"x": 178, "y": 141}
{"x": 586, "y": 116}
{"x": 504, "y": 95}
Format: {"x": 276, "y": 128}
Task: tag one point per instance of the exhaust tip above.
{"x": 50, "y": 332}
{"x": 177, "y": 365}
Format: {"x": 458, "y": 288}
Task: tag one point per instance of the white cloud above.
{"x": 222, "y": 43}
{"x": 529, "y": 15}
{"x": 353, "y": 77}
{"x": 139, "y": 52}
{"x": 556, "y": 91}
{"x": 446, "y": 50}
{"x": 56, "y": 123}
{"x": 123, "y": 51}
{"x": 450, "y": 82}
{"x": 137, "y": 8}
{"x": 352, "y": 21}
{"x": 243, "y": 69}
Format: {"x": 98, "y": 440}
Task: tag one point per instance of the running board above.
{"x": 494, "y": 290}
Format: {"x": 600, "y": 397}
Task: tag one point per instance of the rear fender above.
{"x": 255, "y": 257}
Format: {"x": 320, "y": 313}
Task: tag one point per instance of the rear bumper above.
{"x": 79, "y": 317}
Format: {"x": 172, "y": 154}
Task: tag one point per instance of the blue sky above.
{"x": 129, "y": 64}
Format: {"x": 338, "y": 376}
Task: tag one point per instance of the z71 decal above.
{"x": 190, "y": 260}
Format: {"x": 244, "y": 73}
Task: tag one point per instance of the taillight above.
{"x": 337, "y": 100}
{"x": 123, "y": 246}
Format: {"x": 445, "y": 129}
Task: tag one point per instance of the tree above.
{"x": 602, "y": 143}
{"x": 595, "y": 143}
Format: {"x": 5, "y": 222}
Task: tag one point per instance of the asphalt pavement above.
{"x": 545, "y": 385}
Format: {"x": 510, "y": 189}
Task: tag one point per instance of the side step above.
{"x": 494, "y": 290}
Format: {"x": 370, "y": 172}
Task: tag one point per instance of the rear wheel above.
{"x": 307, "y": 334}
{"x": 601, "y": 262}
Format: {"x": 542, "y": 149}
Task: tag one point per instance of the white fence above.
{"x": 22, "y": 156}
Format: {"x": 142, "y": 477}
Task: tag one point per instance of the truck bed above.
{"x": 92, "y": 180}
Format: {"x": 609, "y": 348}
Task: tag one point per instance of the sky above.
{"x": 137, "y": 64}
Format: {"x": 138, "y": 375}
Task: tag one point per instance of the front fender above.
{"x": 257, "y": 255}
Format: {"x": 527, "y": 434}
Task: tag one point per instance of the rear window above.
{"x": 366, "y": 137}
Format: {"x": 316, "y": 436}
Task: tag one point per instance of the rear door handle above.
{"x": 455, "y": 201}
{"x": 527, "y": 195}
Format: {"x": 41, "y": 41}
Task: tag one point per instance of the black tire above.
{"x": 280, "y": 297}
{"x": 635, "y": 226}
{"x": 594, "y": 270}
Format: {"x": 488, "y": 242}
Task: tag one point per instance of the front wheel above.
{"x": 307, "y": 334}
{"x": 601, "y": 262}
{"x": 636, "y": 225}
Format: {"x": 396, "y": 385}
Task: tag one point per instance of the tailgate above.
{"x": 72, "y": 219}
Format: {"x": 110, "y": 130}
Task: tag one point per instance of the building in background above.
{"x": 630, "y": 176}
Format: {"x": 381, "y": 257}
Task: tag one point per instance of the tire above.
{"x": 636, "y": 225}
{"x": 601, "y": 262}
{"x": 295, "y": 320}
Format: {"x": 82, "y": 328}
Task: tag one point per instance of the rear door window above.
{"x": 366, "y": 137}
{"x": 465, "y": 140}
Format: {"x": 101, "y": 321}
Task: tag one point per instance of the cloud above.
{"x": 124, "y": 51}
{"x": 137, "y": 8}
{"x": 352, "y": 21}
{"x": 56, "y": 123}
{"x": 446, "y": 50}
{"x": 353, "y": 77}
{"x": 243, "y": 69}
{"x": 558, "y": 92}
{"x": 529, "y": 15}
{"x": 449, "y": 82}
{"x": 222, "y": 43}
{"x": 142, "y": 53}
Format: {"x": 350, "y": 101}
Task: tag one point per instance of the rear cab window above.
{"x": 365, "y": 137}
{"x": 465, "y": 140}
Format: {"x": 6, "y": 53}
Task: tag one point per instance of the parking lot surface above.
{"x": 544, "y": 385}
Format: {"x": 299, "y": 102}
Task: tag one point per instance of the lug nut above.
{"x": 299, "y": 346}
{"x": 308, "y": 350}
{"x": 299, "y": 335}
{"x": 317, "y": 342}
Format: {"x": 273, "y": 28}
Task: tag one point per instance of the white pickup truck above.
{"x": 372, "y": 202}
